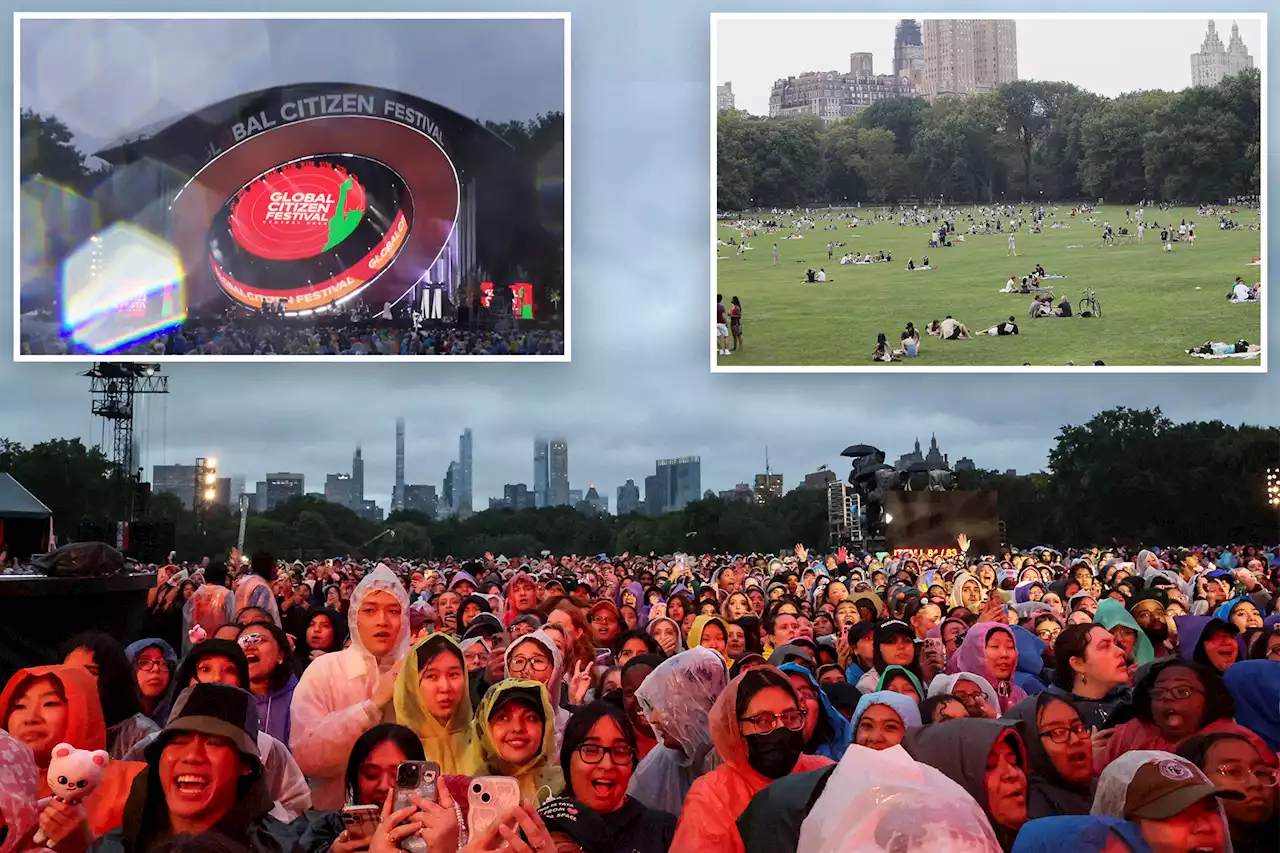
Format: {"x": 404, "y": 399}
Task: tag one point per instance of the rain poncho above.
{"x": 1113, "y": 784}
{"x": 676, "y": 698}
{"x": 556, "y": 684}
{"x": 85, "y": 730}
{"x": 1255, "y": 685}
{"x": 878, "y": 801}
{"x": 907, "y": 711}
{"x": 943, "y": 684}
{"x": 971, "y": 656}
{"x": 18, "y": 810}
{"x": 715, "y": 801}
{"x": 679, "y": 636}
{"x": 160, "y": 712}
{"x": 892, "y": 672}
{"x": 700, "y": 624}
{"x": 1078, "y": 834}
{"x": 1111, "y": 613}
{"x": 955, "y": 599}
{"x": 209, "y": 607}
{"x": 443, "y": 743}
{"x": 254, "y": 591}
{"x": 833, "y": 738}
{"x": 1048, "y": 793}
{"x": 1029, "y": 673}
{"x": 539, "y": 778}
{"x": 333, "y": 703}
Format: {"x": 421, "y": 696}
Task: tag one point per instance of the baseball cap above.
{"x": 1165, "y": 787}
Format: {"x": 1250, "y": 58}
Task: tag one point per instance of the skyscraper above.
{"x": 965, "y": 57}
{"x": 628, "y": 497}
{"x": 768, "y": 487}
{"x": 450, "y": 490}
{"x": 397, "y": 494}
{"x": 464, "y": 473}
{"x": 724, "y": 98}
{"x": 1214, "y": 62}
{"x": 558, "y": 472}
{"x": 679, "y": 482}
{"x": 908, "y": 52}
{"x": 541, "y": 472}
{"x": 357, "y": 478}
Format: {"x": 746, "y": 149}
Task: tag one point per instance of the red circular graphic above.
{"x": 293, "y": 212}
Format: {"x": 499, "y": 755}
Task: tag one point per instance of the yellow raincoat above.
{"x": 443, "y": 743}
{"x": 540, "y": 778}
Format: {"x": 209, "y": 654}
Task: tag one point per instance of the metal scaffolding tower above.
{"x": 844, "y": 517}
{"x": 113, "y": 387}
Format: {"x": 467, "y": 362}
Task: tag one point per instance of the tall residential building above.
{"x": 517, "y": 496}
{"x": 768, "y": 488}
{"x": 421, "y": 499}
{"x": 177, "y": 480}
{"x": 541, "y": 472}
{"x": 628, "y": 498}
{"x": 450, "y": 491}
{"x": 558, "y": 473}
{"x": 908, "y": 52}
{"x": 259, "y": 502}
{"x": 652, "y": 500}
{"x": 818, "y": 479}
{"x": 397, "y": 492}
{"x": 340, "y": 489}
{"x": 464, "y": 473}
{"x": 1215, "y": 62}
{"x": 282, "y": 487}
{"x": 679, "y": 483}
{"x": 831, "y": 95}
{"x": 724, "y": 97}
{"x": 357, "y": 478}
{"x": 237, "y": 490}
{"x": 966, "y": 57}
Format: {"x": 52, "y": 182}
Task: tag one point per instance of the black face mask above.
{"x": 775, "y": 754}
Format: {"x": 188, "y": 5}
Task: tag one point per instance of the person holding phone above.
{"x": 513, "y": 734}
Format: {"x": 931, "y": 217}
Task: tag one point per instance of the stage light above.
{"x": 210, "y": 494}
{"x": 888, "y": 518}
{"x": 211, "y": 464}
{"x": 210, "y": 479}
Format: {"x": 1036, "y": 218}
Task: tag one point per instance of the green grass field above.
{"x": 1152, "y": 311}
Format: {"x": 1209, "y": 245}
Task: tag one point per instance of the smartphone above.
{"x": 361, "y": 821}
{"x": 935, "y": 646}
{"x": 420, "y": 778}
{"x": 604, "y": 657}
{"x": 488, "y": 799}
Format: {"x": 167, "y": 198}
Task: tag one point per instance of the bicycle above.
{"x": 1089, "y": 303}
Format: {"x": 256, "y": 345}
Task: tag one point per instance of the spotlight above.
{"x": 888, "y": 518}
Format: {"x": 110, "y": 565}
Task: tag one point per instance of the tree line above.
{"x": 1026, "y": 141}
{"x": 1126, "y": 477}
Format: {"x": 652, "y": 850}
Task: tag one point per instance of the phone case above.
{"x": 420, "y": 778}
{"x": 361, "y": 821}
{"x": 489, "y": 798}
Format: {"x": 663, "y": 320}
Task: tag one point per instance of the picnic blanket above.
{"x": 1227, "y": 354}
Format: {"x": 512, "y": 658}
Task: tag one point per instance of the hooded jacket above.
{"x": 1255, "y": 685}
{"x": 1111, "y": 613}
{"x": 561, "y": 716}
{"x": 18, "y": 811}
{"x": 443, "y": 743}
{"x": 160, "y": 713}
{"x": 971, "y": 656}
{"x": 1078, "y": 834}
{"x": 539, "y": 777}
{"x": 715, "y": 801}
{"x": 1048, "y": 794}
{"x": 85, "y": 730}
{"x": 333, "y": 702}
{"x": 700, "y": 624}
{"x": 836, "y": 728}
{"x": 679, "y": 634}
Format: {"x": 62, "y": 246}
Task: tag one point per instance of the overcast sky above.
{"x": 1108, "y": 56}
{"x": 106, "y": 78}
{"x": 639, "y": 388}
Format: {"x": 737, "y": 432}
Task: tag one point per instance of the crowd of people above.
{"x": 1031, "y": 701}
{"x": 255, "y": 337}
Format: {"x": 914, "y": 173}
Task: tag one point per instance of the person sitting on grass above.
{"x": 1063, "y": 309}
{"x": 949, "y": 329}
{"x": 883, "y": 353}
{"x": 1011, "y": 286}
{"x": 1042, "y": 306}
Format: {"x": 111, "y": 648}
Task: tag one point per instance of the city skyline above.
{"x": 754, "y": 53}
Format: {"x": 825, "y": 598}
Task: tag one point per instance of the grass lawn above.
{"x": 1152, "y": 311}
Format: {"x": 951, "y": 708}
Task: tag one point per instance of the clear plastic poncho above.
{"x": 1113, "y": 785}
{"x": 882, "y": 800}
{"x": 675, "y": 698}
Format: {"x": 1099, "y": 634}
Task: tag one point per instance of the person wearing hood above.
{"x": 598, "y": 758}
{"x": 883, "y": 718}
{"x": 1080, "y": 834}
{"x": 513, "y": 734}
{"x": 1113, "y": 616}
{"x": 757, "y": 727}
{"x": 1091, "y": 670}
{"x": 432, "y": 698}
{"x": 46, "y": 705}
{"x": 1030, "y": 674}
{"x": 898, "y": 679}
{"x": 19, "y": 815}
{"x": 271, "y": 679}
{"x": 826, "y": 731}
{"x": 667, "y": 632}
{"x": 105, "y": 660}
{"x": 536, "y": 657}
{"x": 1241, "y": 612}
{"x": 675, "y": 698}
{"x": 203, "y": 774}
{"x": 985, "y": 757}
{"x": 343, "y": 695}
{"x": 1176, "y": 807}
{"x": 326, "y": 632}
{"x": 710, "y": 632}
{"x": 894, "y": 644}
{"x": 1059, "y": 756}
{"x": 153, "y": 661}
{"x": 1208, "y": 640}
{"x": 1255, "y": 686}
{"x": 966, "y": 592}
{"x": 989, "y": 650}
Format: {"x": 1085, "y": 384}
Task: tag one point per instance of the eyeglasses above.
{"x": 1048, "y": 633}
{"x": 1063, "y": 733}
{"x": 594, "y": 753}
{"x": 1178, "y": 693}
{"x": 767, "y": 722}
{"x": 1266, "y": 776}
{"x": 538, "y": 664}
{"x": 149, "y": 665}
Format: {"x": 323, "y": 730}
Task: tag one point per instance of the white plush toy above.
{"x": 73, "y": 775}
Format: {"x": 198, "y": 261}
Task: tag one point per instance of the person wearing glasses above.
{"x": 1232, "y": 761}
{"x": 598, "y": 757}
{"x": 757, "y": 727}
{"x": 536, "y": 657}
{"x": 153, "y": 663}
{"x": 1059, "y": 756}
